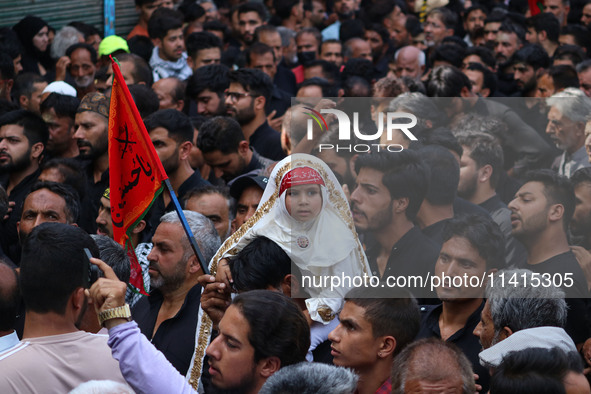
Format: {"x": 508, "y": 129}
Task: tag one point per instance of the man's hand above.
{"x": 108, "y": 292}
{"x": 223, "y": 274}
{"x": 11, "y": 205}
{"x": 275, "y": 122}
{"x": 215, "y": 298}
{"x": 60, "y": 68}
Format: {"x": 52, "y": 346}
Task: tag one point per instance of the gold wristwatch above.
{"x": 122, "y": 312}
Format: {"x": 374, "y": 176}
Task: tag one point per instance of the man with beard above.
{"x": 440, "y": 23}
{"x": 528, "y": 63}
{"x": 525, "y": 316}
{"x": 389, "y": 192}
{"x": 481, "y": 165}
{"x": 345, "y": 10}
{"x": 246, "y": 98}
{"x": 23, "y": 136}
{"x": 474, "y": 18}
{"x": 510, "y": 38}
{"x": 250, "y": 16}
{"x": 169, "y": 58}
{"x": 226, "y": 150}
{"x": 541, "y": 212}
{"x": 567, "y": 118}
{"x": 171, "y": 133}
{"x": 58, "y": 112}
{"x": 81, "y": 61}
{"x": 472, "y": 246}
{"x": 169, "y": 316}
{"x": 207, "y": 90}
{"x": 91, "y": 123}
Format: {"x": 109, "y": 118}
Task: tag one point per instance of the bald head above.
{"x": 410, "y": 62}
{"x": 170, "y": 92}
{"x": 294, "y": 127}
{"x": 8, "y": 298}
{"x": 357, "y": 48}
{"x": 432, "y": 365}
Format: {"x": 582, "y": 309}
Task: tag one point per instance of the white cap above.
{"x": 60, "y": 87}
{"x": 537, "y": 337}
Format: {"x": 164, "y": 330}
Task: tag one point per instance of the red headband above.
{"x": 300, "y": 176}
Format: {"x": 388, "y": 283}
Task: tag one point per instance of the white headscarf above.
{"x": 326, "y": 245}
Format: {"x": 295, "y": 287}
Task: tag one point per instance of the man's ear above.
{"x": 180, "y": 105}
{"x": 484, "y": 173}
{"x": 387, "y": 347}
{"x": 23, "y": 101}
{"x": 290, "y": 285}
{"x": 400, "y": 204}
{"x": 465, "y": 92}
{"x": 485, "y": 92}
{"x": 556, "y": 212}
{"x": 78, "y": 299}
{"x": 157, "y": 42}
{"x": 37, "y": 150}
{"x": 268, "y": 366}
{"x": 139, "y": 227}
{"x": 185, "y": 150}
{"x": 243, "y": 147}
{"x": 190, "y": 62}
{"x": 285, "y": 142}
{"x": 259, "y": 103}
{"x": 505, "y": 333}
{"x": 193, "y": 263}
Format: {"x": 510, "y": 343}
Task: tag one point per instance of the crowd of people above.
{"x": 248, "y": 106}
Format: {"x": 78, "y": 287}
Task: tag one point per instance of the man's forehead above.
{"x": 45, "y": 198}
{"x": 250, "y": 16}
{"x": 368, "y": 175}
{"x": 354, "y": 313}
{"x": 249, "y": 193}
{"x": 167, "y": 233}
{"x": 236, "y": 87}
{"x": 532, "y": 187}
{"x": 234, "y": 324}
{"x": 90, "y": 117}
{"x": 12, "y": 130}
{"x": 208, "y": 201}
{"x": 106, "y": 202}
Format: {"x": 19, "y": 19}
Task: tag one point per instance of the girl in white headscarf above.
{"x": 305, "y": 211}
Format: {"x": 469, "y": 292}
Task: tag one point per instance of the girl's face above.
{"x": 41, "y": 39}
{"x": 303, "y": 202}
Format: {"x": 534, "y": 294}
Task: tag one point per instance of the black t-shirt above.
{"x": 413, "y": 255}
{"x": 577, "y": 296}
{"x": 175, "y": 337}
{"x": 463, "y": 338}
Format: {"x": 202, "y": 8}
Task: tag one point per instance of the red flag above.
{"x": 135, "y": 171}
{"x": 535, "y": 6}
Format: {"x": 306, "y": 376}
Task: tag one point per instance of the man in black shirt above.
{"x": 389, "y": 190}
{"x": 23, "y": 136}
{"x": 541, "y": 212}
{"x": 169, "y": 316}
{"x": 226, "y": 150}
{"x": 473, "y": 245}
{"x": 171, "y": 132}
{"x": 481, "y": 166}
{"x": 246, "y": 98}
